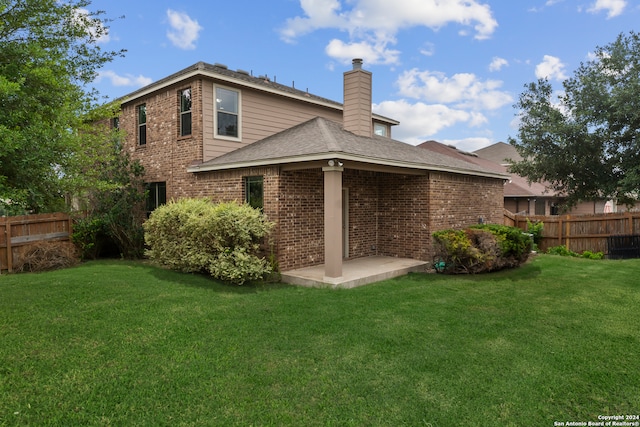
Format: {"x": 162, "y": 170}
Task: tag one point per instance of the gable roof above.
{"x": 322, "y": 139}
{"x": 499, "y": 152}
{"x": 221, "y": 72}
{"x": 516, "y": 186}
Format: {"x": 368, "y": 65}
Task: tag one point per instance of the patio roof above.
{"x": 322, "y": 139}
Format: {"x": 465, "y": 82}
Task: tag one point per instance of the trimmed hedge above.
{"x": 223, "y": 240}
{"x": 481, "y": 248}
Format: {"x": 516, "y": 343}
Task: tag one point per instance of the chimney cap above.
{"x": 357, "y": 63}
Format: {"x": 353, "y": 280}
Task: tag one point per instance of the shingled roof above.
{"x": 322, "y": 139}
{"x": 517, "y": 186}
{"x": 242, "y": 78}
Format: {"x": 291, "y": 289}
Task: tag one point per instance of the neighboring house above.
{"x": 534, "y": 198}
{"x": 328, "y": 174}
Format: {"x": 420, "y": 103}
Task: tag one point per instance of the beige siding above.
{"x": 207, "y": 113}
{"x": 261, "y": 115}
{"x": 357, "y": 102}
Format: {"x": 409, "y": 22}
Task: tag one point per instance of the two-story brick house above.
{"x": 328, "y": 174}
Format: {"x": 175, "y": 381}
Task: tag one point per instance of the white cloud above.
{"x": 464, "y": 90}
{"x": 126, "y": 80}
{"x": 378, "y": 21}
{"x": 420, "y": 120}
{"x": 184, "y": 30}
{"x": 429, "y": 49}
{"x": 497, "y": 63}
{"x": 551, "y": 68}
{"x": 613, "y": 7}
{"x": 372, "y": 53}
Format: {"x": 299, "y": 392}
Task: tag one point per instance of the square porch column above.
{"x": 332, "y": 221}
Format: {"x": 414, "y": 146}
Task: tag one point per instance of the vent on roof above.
{"x": 239, "y": 71}
{"x": 217, "y": 64}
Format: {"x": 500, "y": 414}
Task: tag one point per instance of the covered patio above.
{"x": 355, "y": 272}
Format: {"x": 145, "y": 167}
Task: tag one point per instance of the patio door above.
{"x": 345, "y": 223}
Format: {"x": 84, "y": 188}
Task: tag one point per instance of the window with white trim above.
{"x": 380, "y": 129}
{"x": 142, "y": 124}
{"x": 185, "y": 112}
{"x": 254, "y": 191}
{"x": 227, "y": 120}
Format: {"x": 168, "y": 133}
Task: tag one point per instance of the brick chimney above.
{"x": 356, "y": 114}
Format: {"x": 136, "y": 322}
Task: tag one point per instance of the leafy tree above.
{"x": 49, "y": 53}
{"x": 586, "y": 144}
{"x": 113, "y": 214}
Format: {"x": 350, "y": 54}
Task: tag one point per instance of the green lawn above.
{"x": 118, "y": 343}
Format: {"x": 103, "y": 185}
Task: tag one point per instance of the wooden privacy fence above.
{"x": 580, "y": 233}
{"x": 16, "y": 232}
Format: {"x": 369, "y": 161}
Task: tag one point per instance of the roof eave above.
{"x": 344, "y": 157}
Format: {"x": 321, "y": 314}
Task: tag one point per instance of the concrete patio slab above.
{"x": 355, "y": 272}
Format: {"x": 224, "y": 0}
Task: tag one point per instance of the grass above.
{"x": 118, "y": 343}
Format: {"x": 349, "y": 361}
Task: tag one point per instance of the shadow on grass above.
{"x": 204, "y": 281}
{"x": 140, "y": 268}
{"x": 526, "y": 271}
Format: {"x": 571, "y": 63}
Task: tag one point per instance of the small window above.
{"x": 115, "y": 123}
{"x": 142, "y": 124}
{"x": 380, "y": 129}
{"x": 254, "y": 192}
{"x": 185, "y": 112}
{"x": 156, "y": 196}
{"x": 227, "y": 112}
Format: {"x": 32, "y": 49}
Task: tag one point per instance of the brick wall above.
{"x": 300, "y": 229}
{"x": 166, "y": 155}
{"x": 404, "y": 216}
{"x": 389, "y": 214}
{"x": 458, "y": 201}
{"x": 363, "y": 202}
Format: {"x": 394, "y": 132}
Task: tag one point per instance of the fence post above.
{"x": 9, "y": 248}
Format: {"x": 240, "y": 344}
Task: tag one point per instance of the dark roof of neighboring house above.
{"x": 499, "y": 152}
{"x": 243, "y": 78}
{"x": 517, "y": 186}
{"x": 322, "y": 139}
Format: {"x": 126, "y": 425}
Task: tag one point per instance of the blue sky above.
{"x": 448, "y": 70}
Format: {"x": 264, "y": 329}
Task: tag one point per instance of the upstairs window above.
{"x": 115, "y": 123}
{"x": 254, "y": 192}
{"x": 380, "y": 129}
{"x": 185, "y": 112}
{"x": 142, "y": 124}
{"x": 227, "y": 113}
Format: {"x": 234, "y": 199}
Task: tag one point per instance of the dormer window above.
{"x": 380, "y": 129}
{"x": 227, "y": 113}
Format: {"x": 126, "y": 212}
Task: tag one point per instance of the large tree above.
{"x": 49, "y": 55}
{"x": 585, "y": 143}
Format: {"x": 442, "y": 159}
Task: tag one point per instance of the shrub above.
{"x": 592, "y": 255}
{"x": 45, "y": 256}
{"x": 563, "y": 251}
{"x": 195, "y": 235}
{"x": 515, "y": 244}
{"x": 481, "y": 248}
{"x": 535, "y": 229}
{"x": 88, "y": 236}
